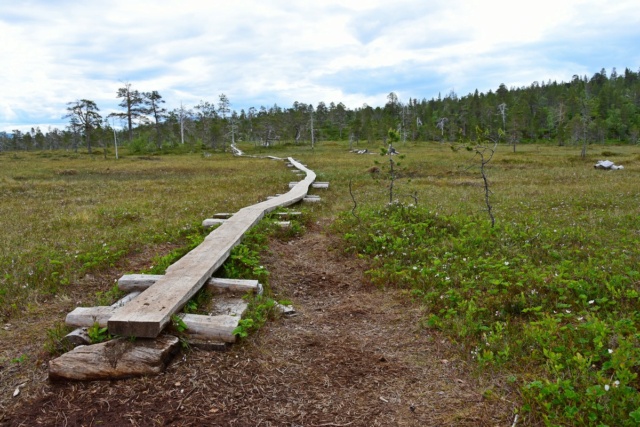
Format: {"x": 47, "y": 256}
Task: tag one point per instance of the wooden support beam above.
{"x": 323, "y": 185}
{"x": 87, "y": 316}
{"x": 218, "y": 328}
{"x": 151, "y": 311}
{"x": 140, "y": 282}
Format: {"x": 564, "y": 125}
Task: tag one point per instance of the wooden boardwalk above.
{"x": 148, "y": 314}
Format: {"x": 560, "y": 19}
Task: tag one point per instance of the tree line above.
{"x": 598, "y": 109}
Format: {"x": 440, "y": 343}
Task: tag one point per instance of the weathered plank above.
{"x": 115, "y": 359}
{"x": 151, "y": 311}
{"x": 140, "y": 282}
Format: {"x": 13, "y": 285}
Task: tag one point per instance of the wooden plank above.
{"x": 115, "y": 359}
{"x": 151, "y": 311}
{"x": 234, "y": 285}
{"x": 140, "y": 282}
{"x": 210, "y": 327}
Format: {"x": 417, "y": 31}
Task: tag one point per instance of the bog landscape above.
{"x": 467, "y": 265}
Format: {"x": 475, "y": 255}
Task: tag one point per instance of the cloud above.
{"x": 276, "y": 51}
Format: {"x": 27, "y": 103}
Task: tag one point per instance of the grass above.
{"x": 546, "y": 301}
{"x": 548, "y": 298}
{"x": 63, "y": 216}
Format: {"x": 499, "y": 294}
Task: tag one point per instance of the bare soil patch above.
{"x": 353, "y": 356}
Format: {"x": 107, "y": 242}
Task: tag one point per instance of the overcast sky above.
{"x": 268, "y": 51}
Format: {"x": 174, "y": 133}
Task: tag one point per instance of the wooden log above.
{"x": 219, "y": 328}
{"x": 77, "y": 337}
{"x": 140, "y": 282}
{"x": 151, "y": 311}
{"x": 88, "y": 316}
{"x": 212, "y": 222}
{"x": 137, "y": 282}
{"x": 115, "y": 359}
{"x": 323, "y": 185}
{"x": 312, "y": 199}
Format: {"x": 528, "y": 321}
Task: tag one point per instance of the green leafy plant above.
{"x": 512, "y": 300}
{"x": 98, "y": 334}
{"x": 178, "y": 323}
{"x": 260, "y": 310}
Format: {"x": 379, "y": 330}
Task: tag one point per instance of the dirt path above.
{"x": 353, "y": 356}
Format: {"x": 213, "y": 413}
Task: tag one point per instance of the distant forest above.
{"x": 598, "y": 109}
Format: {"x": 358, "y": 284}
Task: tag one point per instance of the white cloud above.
{"x": 265, "y": 52}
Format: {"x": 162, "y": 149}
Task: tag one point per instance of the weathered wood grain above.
{"x": 151, "y": 311}
{"x": 87, "y": 316}
{"x": 219, "y": 328}
{"x": 115, "y": 359}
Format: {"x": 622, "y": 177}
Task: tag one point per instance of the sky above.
{"x": 266, "y": 52}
